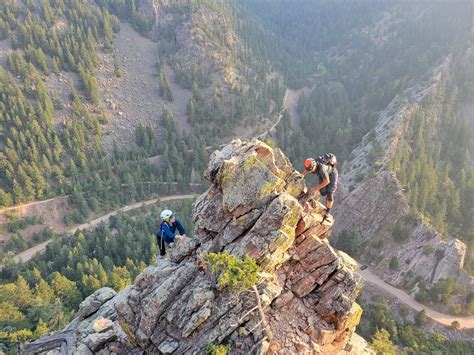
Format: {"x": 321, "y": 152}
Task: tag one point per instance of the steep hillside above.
{"x": 289, "y": 291}
{"x": 406, "y": 234}
{"x": 193, "y": 84}
{"x": 198, "y": 40}
{"x": 129, "y": 86}
{"x": 52, "y": 113}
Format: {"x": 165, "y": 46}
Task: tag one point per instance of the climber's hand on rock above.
{"x": 304, "y": 196}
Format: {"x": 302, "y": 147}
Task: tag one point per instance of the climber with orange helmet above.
{"x": 325, "y": 168}
{"x": 167, "y": 232}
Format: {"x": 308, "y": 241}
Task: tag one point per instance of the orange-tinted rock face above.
{"x": 304, "y": 301}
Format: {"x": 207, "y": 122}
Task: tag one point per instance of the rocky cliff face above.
{"x": 423, "y": 255}
{"x": 304, "y": 301}
{"x": 205, "y": 39}
{"x": 373, "y": 204}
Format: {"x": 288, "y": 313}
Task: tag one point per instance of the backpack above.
{"x": 321, "y": 160}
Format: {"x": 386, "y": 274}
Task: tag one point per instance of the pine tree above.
{"x": 381, "y": 343}
{"x": 43, "y": 292}
{"x": 41, "y": 329}
{"x": 10, "y": 313}
{"x": 66, "y": 290}
{"x": 23, "y": 296}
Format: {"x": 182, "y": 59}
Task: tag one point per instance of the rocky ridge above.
{"x": 304, "y": 301}
{"x": 373, "y": 203}
{"x": 204, "y": 36}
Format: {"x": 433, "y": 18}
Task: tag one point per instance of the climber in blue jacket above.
{"x": 167, "y": 232}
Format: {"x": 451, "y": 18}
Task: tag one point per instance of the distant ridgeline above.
{"x": 440, "y": 177}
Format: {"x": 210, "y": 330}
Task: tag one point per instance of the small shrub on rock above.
{"x": 230, "y": 271}
{"x": 213, "y": 349}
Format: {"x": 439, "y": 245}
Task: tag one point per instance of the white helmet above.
{"x": 166, "y": 215}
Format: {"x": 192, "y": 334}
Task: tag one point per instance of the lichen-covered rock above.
{"x": 304, "y": 301}
{"x": 92, "y": 303}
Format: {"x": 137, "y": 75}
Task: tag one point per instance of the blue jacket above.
{"x": 169, "y": 232}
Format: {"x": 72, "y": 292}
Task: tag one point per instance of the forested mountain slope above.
{"x": 356, "y": 55}
{"x": 414, "y": 172}
{"x": 196, "y": 39}
{"x": 226, "y": 93}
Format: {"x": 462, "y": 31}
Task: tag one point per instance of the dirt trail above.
{"x": 34, "y": 203}
{"x": 286, "y": 105}
{"x": 445, "y": 319}
{"x": 29, "y": 253}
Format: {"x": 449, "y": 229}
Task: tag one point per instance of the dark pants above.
{"x": 162, "y": 241}
{"x": 327, "y": 191}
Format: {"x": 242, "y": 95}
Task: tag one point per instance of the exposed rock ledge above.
{"x": 307, "y": 289}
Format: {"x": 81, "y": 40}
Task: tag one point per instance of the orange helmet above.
{"x": 310, "y": 164}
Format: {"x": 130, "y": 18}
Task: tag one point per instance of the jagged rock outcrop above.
{"x": 304, "y": 301}
{"x": 372, "y": 202}
{"x": 423, "y": 255}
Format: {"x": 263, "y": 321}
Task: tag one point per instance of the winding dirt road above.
{"x": 445, "y": 319}
{"x": 33, "y": 203}
{"x": 29, "y": 253}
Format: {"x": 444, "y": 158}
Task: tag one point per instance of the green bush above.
{"x": 421, "y": 318}
{"x": 349, "y": 242}
{"x": 393, "y": 265}
{"x": 400, "y": 233}
{"x": 20, "y": 224}
{"x": 219, "y": 349}
{"x": 427, "y": 250}
{"x": 232, "y": 272}
{"x": 456, "y": 309}
{"x": 420, "y": 296}
{"x": 442, "y": 290}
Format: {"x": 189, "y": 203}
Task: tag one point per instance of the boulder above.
{"x": 92, "y": 303}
